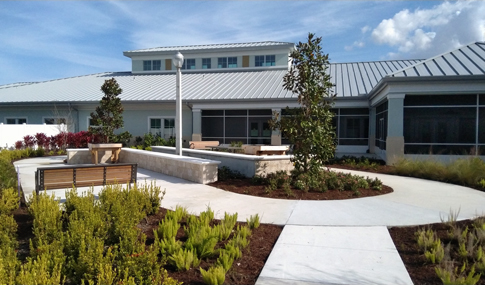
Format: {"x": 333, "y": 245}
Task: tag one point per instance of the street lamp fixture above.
{"x": 178, "y": 61}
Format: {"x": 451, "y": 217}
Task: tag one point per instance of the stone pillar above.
{"x": 275, "y": 134}
{"x": 372, "y": 130}
{"x": 196, "y": 125}
{"x": 395, "y": 126}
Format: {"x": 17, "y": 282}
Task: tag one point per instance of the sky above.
{"x": 47, "y": 40}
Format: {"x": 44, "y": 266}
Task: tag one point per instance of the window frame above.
{"x": 265, "y": 60}
{"x": 5, "y": 120}
{"x": 156, "y": 64}
{"x": 147, "y": 65}
{"x": 222, "y": 62}
{"x": 184, "y": 66}
{"x": 56, "y": 119}
{"x": 207, "y": 65}
{"x": 162, "y": 124}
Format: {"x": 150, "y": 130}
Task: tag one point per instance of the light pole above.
{"x": 178, "y": 61}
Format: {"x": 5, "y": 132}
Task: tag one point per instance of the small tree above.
{"x": 107, "y": 117}
{"x": 309, "y": 128}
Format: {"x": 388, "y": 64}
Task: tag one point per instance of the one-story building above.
{"x": 230, "y": 91}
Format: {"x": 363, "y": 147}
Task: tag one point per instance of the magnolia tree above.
{"x": 309, "y": 127}
{"x": 107, "y": 117}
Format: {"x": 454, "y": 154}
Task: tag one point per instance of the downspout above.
{"x": 76, "y": 125}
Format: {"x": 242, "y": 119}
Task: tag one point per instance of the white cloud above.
{"x": 425, "y": 32}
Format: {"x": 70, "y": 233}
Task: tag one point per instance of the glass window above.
{"x": 15, "y": 121}
{"x": 222, "y": 62}
{"x": 232, "y": 62}
{"x": 259, "y": 60}
{"x": 212, "y": 127}
{"x": 56, "y": 121}
{"x": 147, "y": 65}
{"x": 155, "y": 125}
{"x": 439, "y": 125}
{"x": 439, "y": 100}
{"x": 270, "y": 60}
{"x": 189, "y": 63}
{"x": 212, "y": 112}
{"x": 157, "y": 64}
{"x": 236, "y": 112}
{"x": 168, "y": 128}
{"x": 235, "y": 127}
{"x": 206, "y": 63}
{"x": 91, "y": 122}
{"x": 267, "y": 112}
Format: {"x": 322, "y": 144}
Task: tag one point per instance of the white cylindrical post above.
{"x": 178, "y": 114}
{"x": 178, "y": 61}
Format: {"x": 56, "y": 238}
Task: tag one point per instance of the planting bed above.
{"x": 244, "y": 271}
{"x": 247, "y": 187}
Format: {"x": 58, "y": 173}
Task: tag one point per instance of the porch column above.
{"x": 395, "y": 126}
{"x": 196, "y": 125}
{"x": 372, "y": 130}
{"x": 276, "y": 134}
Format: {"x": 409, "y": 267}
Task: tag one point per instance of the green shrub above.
{"x": 47, "y": 224}
{"x": 8, "y": 175}
{"x": 168, "y": 228}
{"x": 184, "y": 259}
{"x": 214, "y": 276}
{"x": 224, "y": 173}
{"x": 253, "y": 221}
{"x": 225, "y": 261}
{"x": 177, "y": 215}
{"x": 450, "y": 274}
{"x": 9, "y": 200}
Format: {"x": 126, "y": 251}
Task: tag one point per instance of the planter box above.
{"x": 265, "y": 149}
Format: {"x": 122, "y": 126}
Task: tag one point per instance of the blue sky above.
{"x": 56, "y": 39}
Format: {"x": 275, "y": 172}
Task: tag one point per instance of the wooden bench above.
{"x": 202, "y": 144}
{"x": 47, "y": 178}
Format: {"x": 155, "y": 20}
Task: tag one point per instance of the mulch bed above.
{"x": 422, "y": 272}
{"x": 246, "y": 187}
{"x": 247, "y": 269}
{"x": 244, "y": 271}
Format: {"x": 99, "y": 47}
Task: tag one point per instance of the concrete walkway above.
{"x": 323, "y": 242}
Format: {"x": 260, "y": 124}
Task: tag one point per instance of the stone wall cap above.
{"x": 188, "y": 159}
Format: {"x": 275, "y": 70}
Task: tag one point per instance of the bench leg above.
{"x": 94, "y": 156}
{"x": 115, "y": 156}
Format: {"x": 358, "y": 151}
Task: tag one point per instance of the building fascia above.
{"x": 427, "y": 85}
{"x": 208, "y": 51}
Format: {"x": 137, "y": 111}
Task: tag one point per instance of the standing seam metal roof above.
{"x": 350, "y": 79}
{"x": 466, "y": 60}
{"x": 213, "y": 46}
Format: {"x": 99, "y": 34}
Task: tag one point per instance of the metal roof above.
{"x": 466, "y": 60}
{"x": 213, "y": 46}
{"x": 350, "y": 79}
{"x": 359, "y": 78}
{"x": 264, "y": 84}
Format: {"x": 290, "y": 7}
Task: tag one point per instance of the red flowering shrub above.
{"x": 19, "y": 144}
{"x": 60, "y": 140}
{"x": 29, "y": 141}
{"x": 52, "y": 143}
{"x": 42, "y": 140}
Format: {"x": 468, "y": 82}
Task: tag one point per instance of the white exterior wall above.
{"x": 13, "y": 133}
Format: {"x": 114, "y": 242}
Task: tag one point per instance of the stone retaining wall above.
{"x": 202, "y": 171}
{"x": 248, "y": 165}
